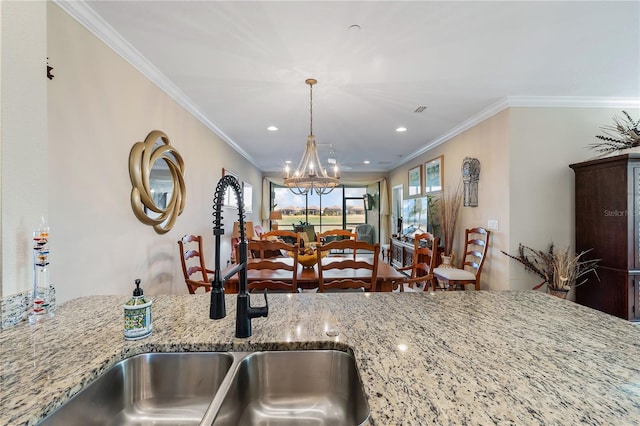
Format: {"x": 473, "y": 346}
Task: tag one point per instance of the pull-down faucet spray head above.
{"x": 244, "y": 311}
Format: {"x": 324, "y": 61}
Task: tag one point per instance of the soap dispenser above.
{"x": 137, "y": 315}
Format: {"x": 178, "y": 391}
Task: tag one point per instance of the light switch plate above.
{"x": 492, "y": 224}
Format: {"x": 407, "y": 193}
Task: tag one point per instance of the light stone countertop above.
{"x": 450, "y": 358}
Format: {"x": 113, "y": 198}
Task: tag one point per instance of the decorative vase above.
{"x": 447, "y": 261}
{"x": 558, "y": 292}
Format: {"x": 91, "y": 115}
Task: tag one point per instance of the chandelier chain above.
{"x": 311, "y": 108}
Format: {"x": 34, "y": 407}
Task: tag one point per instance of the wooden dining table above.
{"x": 387, "y": 280}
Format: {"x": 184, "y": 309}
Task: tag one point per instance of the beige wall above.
{"x": 489, "y": 143}
{"x": 23, "y": 137}
{"x": 525, "y": 181}
{"x": 544, "y": 142}
{"x": 98, "y": 107}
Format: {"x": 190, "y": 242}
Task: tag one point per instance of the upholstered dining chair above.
{"x": 475, "y": 250}
{"x": 364, "y": 232}
{"x": 274, "y": 270}
{"x": 192, "y": 260}
{"x": 425, "y": 248}
{"x": 365, "y": 270}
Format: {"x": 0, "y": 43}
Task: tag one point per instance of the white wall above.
{"x": 98, "y": 107}
{"x": 23, "y": 137}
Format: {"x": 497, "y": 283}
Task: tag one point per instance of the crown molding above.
{"x": 523, "y": 101}
{"x": 88, "y": 18}
{"x": 572, "y": 102}
{"x": 478, "y": 118}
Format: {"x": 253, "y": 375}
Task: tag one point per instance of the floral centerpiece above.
{"x": 559, "y": 270}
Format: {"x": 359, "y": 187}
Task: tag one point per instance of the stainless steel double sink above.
{"x": 316, "y": 387}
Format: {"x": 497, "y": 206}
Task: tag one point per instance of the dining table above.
{"x": 387, "y": 278}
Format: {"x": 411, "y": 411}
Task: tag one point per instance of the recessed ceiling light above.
{"x": 366, "y": 162}
{"x": 401, "y": 129}
{"x": 354, "y": 28}
{"x": 287, "y": 162}
{"x": 272, "y": 128}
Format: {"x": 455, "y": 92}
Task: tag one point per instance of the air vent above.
{"x": 384, "y": 162}
{"x": 420, "y": 109}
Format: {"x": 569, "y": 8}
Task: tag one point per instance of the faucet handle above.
{"x": 266, "y": 302}
{"x": 261, "y": 311}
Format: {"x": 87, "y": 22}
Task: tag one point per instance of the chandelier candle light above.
{"x": 310, "y": 175}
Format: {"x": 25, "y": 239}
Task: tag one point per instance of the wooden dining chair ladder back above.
{"x": 425, "y": 248}
{"x": 336, "y": 235}
{"x": 270, "y": 274}
{"x": 365, "y": 270}
{"x": 475, "y": 250}
{"x": 195, "y": 274}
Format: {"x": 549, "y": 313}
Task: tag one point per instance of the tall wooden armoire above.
{"x": 607, "y": 213}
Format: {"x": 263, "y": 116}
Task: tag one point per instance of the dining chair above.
{"x": 475, "y": 250}
{"x": 336, "y": 235}
{"x": 288, "y": 237}
{"x": 274, "y": 270}
{"x": 365, "y": 270}
{"x": 193, "y": 267}
{"x": 425, "y": 248}
{"x": 364, "y": 232}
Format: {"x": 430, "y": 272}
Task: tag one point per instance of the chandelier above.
{"x": 310, "y": 175}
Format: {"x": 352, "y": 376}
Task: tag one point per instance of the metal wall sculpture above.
{"x": 470, "y": 178}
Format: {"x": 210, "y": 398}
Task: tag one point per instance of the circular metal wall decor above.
{"x": 156, "y": 170}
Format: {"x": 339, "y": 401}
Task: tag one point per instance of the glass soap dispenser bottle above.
{"x": 137, "y": 315}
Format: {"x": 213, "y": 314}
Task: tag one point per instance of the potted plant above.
{"x": 560, "y": 271}
{"x": 448, "y": 208}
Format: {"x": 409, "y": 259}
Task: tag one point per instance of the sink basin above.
{"x": 154, "y": 388}
{"x": 294, "y": 388}
{"x": 222, "y": 388}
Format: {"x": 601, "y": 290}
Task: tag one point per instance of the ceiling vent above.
{"x": 420, "y": 109}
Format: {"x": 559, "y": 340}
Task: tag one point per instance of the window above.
{"x": 342, "y": 208}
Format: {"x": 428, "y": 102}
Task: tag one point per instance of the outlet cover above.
{"x": 492, "y": 224}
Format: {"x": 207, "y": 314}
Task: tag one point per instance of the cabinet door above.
{"x": 408, "y": 256}
{"x": 396, "y": 255}
{"x": 634, "y": 296}
{"x": 612, "y": 293}
{"x": 635, "y": 217}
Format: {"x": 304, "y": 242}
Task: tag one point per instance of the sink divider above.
{"x": 214, "y": 407}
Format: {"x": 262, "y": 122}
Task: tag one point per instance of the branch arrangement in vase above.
{"x": 449, "y": 207}
{"x": 559, "y": 270}
{"x": 623, "y": 134}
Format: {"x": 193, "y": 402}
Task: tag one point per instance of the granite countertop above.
{"x": 445, "y": 358}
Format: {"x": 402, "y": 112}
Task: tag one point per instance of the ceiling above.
{"x": 241, "y": 66}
